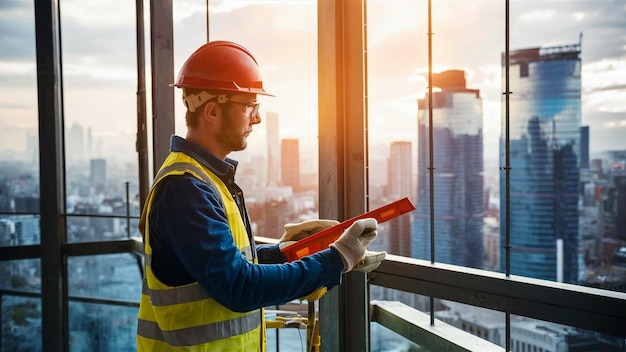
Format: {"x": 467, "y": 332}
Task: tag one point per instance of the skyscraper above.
{"x": 584, "y": 147}
{"x": 75, "y": 141}
{"x": 399, "y": 169}
{"x": 98, "y": 174}
{"x": 273, "y": 149}
{"x": 544, "y": 125}
{"x": 458, "y": 182}
{"x": 399, "y": 185}
{"x": 290, "y": 163}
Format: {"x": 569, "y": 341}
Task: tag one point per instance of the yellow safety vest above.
{"x": 186, "y": 318}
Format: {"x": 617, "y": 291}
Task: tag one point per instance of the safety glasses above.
{"x": 252, "y": 108}
{"x": 193, "y": 101}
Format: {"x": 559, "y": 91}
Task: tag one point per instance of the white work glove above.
{"x": 352, "y": 244}
{"x": 296, "y": 232}
{"x": 370, "y": 261}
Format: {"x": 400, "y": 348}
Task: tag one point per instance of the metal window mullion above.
{"x": 54, "y": 311}
{"x": 330, "y": 150}
{"x": 142, "y": 132}
{"x": 162, "y": 63}
{"x": 343, "y": 152}
{"x": 431, "y": 158}
{"x": 353, "y": 298}
{"x": 507, "y": 167}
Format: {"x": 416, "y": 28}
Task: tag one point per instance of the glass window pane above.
{"x": 101, "y": 228}
{"x": 382, "y": 339}
{"x": 542, "y": 335}
{"x": 567, "y": 146}
{"x": 278, "y": 169}
{"x": 567, "y": 168}
{"x": 19, "y": 158}
{"x": 102, "y": 327}
{"x": 111, "y": 276}
{"x": 19, "y": 230}
{"x": 395, "y": 55}
{"x": 104, "y": 293}
{"x": 100, "y": 108}
{"x": 20, "y": 306}
{"x": 465, "y": 94}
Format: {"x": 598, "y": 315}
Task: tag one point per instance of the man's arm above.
{"x": 191, "y": 220}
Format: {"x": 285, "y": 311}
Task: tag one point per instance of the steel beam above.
{"x": 54, "y": 312}
{"x": 415, "y": 326}
{"x": 343, "y": 158}
{"x": 572, "y": 305}
{"x": 162, "y": 56}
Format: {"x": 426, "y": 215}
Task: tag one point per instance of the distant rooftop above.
{"x": 550, "y": 53}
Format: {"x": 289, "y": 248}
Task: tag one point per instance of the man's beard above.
{"x": 230, "y": 139}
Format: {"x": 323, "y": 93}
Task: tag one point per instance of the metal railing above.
{"x": 577, "y": 306}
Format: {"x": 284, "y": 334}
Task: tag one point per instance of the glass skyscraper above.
{"x": 545, "y": 122}
{"x": 458, "y": 178}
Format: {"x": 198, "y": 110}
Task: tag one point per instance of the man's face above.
{"x": 239, "y": 114}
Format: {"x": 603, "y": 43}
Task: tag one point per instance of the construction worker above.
{"x": 205, "y": 280}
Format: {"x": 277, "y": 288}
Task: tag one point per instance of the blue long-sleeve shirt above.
{"x": 191, "y": 241}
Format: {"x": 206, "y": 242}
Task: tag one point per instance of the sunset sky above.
{"x": 99, "y": 61}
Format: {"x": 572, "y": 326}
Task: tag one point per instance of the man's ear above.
{"x": 210, "y": 112}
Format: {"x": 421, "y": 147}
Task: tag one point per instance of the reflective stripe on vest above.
{"x": 171, "y": 318}
{"x": 200, "y": 334}
{"x": 177, "y": 295}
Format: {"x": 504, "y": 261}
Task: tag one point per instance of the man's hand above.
{"x": 352, "y": 244}
{"x": 370, "y": 261}
{"x": 295, "y": 232}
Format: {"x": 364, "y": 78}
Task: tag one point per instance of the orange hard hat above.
{"x": 221, "y": 66}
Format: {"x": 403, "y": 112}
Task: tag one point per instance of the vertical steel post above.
{"x": 342, "y": 93}
{"x": 507, "y": 166}
{"x": 54, "y": 312}
{"x": 142, "y": 132}
{"x": 431, "y": 146}
{"x": 162, "y": 52}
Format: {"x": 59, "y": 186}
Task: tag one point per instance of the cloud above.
{"x": 99, "y": 54}
{"x": 538, "y": 16}
{"x": 609, "y": 88}
{"x": 17, "y": 27}
{"x": 600, "y": 22}
{"x": 13, "y": 106}
{"x": 606, "y": 130}
{"x": 612, "y": 124}
{"x": 604, "y": 85}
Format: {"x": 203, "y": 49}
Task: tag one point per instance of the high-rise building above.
{"x": 399, "y": 181}
{"x": 32, "y": 147}
{"x": 98, "y": 174}
{"x": 458, "y": 181}
{"x": 545, "y": 130}
{"x": 584, "y": 147}
{"x": 290, "y": 163}
{"x": 273, "y": 149}
{"x": 75, "y": 140}
{"x": 399, "y": 185}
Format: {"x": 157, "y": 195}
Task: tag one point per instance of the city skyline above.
{"x": 99, "y": 115}
{"x": 393, "y": 89}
